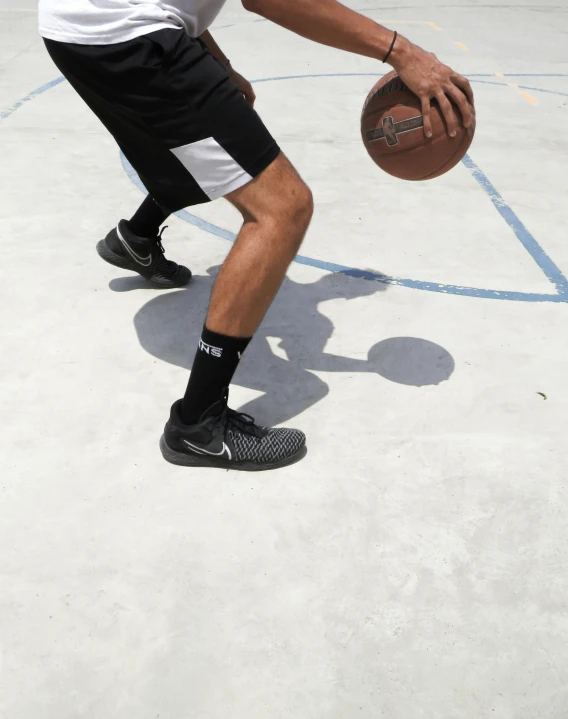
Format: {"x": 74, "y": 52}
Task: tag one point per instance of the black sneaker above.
{"x": 144, "y": 255}
{"x": 230, "y": 440}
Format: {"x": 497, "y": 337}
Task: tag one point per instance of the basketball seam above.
{"x": 433, "y": 174}
{"x": 383, "y": 101}
{"x": 428, "y": 174}
{"x": 408, "y": 149}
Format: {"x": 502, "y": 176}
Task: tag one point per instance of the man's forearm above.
{"x": 329, "y": 23}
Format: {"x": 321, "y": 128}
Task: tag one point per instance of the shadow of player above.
{"x": 289, "y": 345}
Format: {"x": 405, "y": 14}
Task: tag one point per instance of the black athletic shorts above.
{"x": 175, "y": 113}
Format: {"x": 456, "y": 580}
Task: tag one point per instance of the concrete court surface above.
{"x": 415, "y": 563}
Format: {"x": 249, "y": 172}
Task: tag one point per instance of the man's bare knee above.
{"x": 277, "y": 196}
{"x": 290, "y": 218}
{"x": 302, "y": 205}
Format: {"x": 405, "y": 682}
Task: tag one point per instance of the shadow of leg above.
{"x": 288, "y": 388}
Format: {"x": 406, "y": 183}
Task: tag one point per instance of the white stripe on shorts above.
{"x": 211, "y": 166}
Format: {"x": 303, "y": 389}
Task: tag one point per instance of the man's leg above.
{"x": 113, "y": 95}
{"x": 136, "y": 245}
{"x": 142, "y": 251}
{"x": 192, "y": 138}
{"x": 148, "y": 218}
{"x": 277, "y": 208}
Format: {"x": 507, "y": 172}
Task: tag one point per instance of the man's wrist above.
{"x": 400, "y": 52}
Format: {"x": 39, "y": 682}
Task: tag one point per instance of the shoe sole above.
{"x": 190, "y": 460}
{"x": 125, "y": 264}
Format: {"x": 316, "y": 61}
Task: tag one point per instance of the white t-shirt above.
{"x": 105, "y": 22}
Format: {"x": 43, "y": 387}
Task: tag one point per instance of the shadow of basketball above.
{"x": 411, "y": 361}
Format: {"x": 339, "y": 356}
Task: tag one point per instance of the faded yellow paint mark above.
{"x": 434, "y": 26}
{"x": 500, "y": 74}
{"x": 461, "y": 46}
{"x": 529, "y": 98}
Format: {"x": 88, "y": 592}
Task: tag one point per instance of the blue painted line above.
{"x": 522, "y": 87}
{"x": 317, "y": 74}
{"x": 182, "y": 214}
{"x": 551, "y": 271}
{"x": 27, "y": 98}
{"x": 363, "y": 274}
{"x": 6, "y": 113}
{"x": 549, "y": 268}
{"x": 374, "y": 74}
{"x": 540, "y": 89}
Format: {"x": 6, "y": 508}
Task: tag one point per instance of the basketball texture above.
{"x": 393, "y": 134}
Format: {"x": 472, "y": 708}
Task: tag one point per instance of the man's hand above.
{"x": 244, "y": 86}
{"x": 430, "y": 79}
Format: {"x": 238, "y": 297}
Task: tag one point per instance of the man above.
{"x": 183, "y": 117}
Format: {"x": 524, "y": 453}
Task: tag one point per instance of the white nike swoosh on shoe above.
{"x": 200, "y": 450}
{"x": 144, "y": 261}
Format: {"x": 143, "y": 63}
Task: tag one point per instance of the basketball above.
{"x": 393, "y": 134}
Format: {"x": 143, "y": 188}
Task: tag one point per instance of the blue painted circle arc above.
{"x": 552, "y": 272}
{"x": 545, "y": 263}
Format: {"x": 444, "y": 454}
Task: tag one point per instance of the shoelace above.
{"x": 166, "y": 267}
{"x": 241, "y": 421}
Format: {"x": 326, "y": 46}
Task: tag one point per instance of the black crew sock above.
{"x": 213, "y": 368}
{"x": 147, "y": 219}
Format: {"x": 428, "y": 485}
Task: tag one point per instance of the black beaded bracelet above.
{"x": 391, "y": 47}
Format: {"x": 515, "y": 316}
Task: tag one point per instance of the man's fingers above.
{"x": 464, "y": 107}
{"x": 448, "y": 113}
{"x": 464, "y": 85}
{"x": 426, "y": 116}
{"x": 249, "y": 94}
